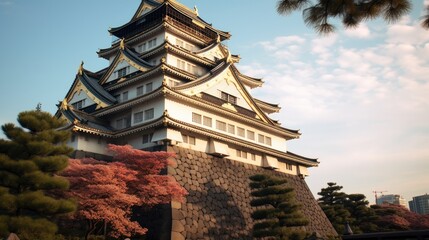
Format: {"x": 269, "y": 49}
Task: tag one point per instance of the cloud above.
{"x": 362, "y": 31}
{"x": 359, "y": 108}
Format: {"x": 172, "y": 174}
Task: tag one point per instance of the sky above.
{"x": 359, "y": 97}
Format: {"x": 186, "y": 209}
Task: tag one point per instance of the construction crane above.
{"x": 375, "y": 193}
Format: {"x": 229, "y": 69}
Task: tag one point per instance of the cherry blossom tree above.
{"x": 107, "y": 191}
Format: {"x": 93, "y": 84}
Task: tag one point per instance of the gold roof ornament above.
{"x": 80, "y": 70}
{"x": 196, "y": 10}
{"x": 229, "y": 58}
{"x": 64, "y": 105}
{"x": 122, "y": 44}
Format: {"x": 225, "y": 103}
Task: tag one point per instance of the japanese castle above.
{"x": 171, "y": 81}
{"x": 171, "y": 84}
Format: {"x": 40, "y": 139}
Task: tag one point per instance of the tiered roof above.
{"x": 150, "y": 18}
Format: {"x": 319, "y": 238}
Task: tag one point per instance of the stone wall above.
{"x": 218, "y": 204}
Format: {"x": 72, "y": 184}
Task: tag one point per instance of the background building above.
{"x": 420, "y": 204}
{"x": 392, "y": 199}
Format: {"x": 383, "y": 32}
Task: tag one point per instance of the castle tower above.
{"x": 172, "y": 85}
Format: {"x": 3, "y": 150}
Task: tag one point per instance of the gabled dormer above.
{"x": 87, "y": 94}
{"x": 125, "y": 64}
{"x": 223, "y": 83}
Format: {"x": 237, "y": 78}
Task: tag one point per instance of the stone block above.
{"x": 177, "y": 226}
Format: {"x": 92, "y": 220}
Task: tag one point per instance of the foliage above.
{"x": 150, "y": 186}
{"x": 340, "y": 208}
{"x": 317, "y": 14}
{"x": 107, "y": 191}
{"x": 398, "y": 218}
{"x": 332, "y": 203}
{"x": 277, "y": 213}
{"x": 30, "y": 160}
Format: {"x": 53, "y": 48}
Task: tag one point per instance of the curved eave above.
{"x": 207, "y": 77}
{"x": 161, "y": 68}
{"x": 252, "y": 101}
{"x": 78, "y": 127}
{"x": 135, "y": 58}
{"x": 308, "y": 162}
{"x": 189, "y": 55}
{"x": 192, "y": 15}
{"x": 179, "y": 8}
{"x": 216, "y": 71}
{"x": 208, "y": 48}
{"x": 132, "y": 102}
{"x": 284, "y": 132}
{"x": 249, "y": 81}
{"x": 135, "y": 78}
{"x": 97, "y": 90}
{"x": 107, "y": 52}
{"x": 267, "y": 107}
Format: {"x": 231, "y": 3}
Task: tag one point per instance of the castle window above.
{"x": 191, "y": 68}
{"x": 189, "y": 47}
{"x": 240, "y": 132}
{"x": 123, "y": 122}
{"x": 142, "y": 47}
{"x": 207, "y": 121}
{"x": 125, "y": 96}
{"x": 139, "y": 90}
{"x": 288, "y": 166}
{"x": 152, "y": 43}
{"x": 79, "y": 104}
{"x": 268, "y": 141}
{"x": 188, "y": 139}
{"x": 228, "y": 97}
{"x": 122, "y": 72}
{"x": 173, "y": 83}
{"x": 261, "y": 138}
{"x": 147, "y": 138}
{"x": 241, "y": 154}
{"x": 220, "y": 125}
{"x": 179, "y": 43}
{"x": 231, "y": 128}
{"x": 196, "y": 118}
{"x": 119, "y": 123}
{"x": 149, "y": 87}
{"x": 181, "y": 64}
{"x": 253, "y": 156}
{"x": 138, "y": 117}
{"x": 149, "y": 114}
{"x": 250, "y": 135}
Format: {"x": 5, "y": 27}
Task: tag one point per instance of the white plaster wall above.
{"x": 121, "y": 64}
{"x": 79, "y": 96}
{"x": 91, "y": 144}
{"x": 184, "y": 113}
{"x": 157, "y": 105}
{"x": 172, "y": 61}
{"x": 159, "y": 41}
{"x": 137, "y": 141}
{"x": 172, "y": 39}
{"x": 132, "y": 89}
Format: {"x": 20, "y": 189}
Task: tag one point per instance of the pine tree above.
{"x": 277, "y": 214}
{"x": 332, "y": 203}
{"x": 30, "y": 160}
